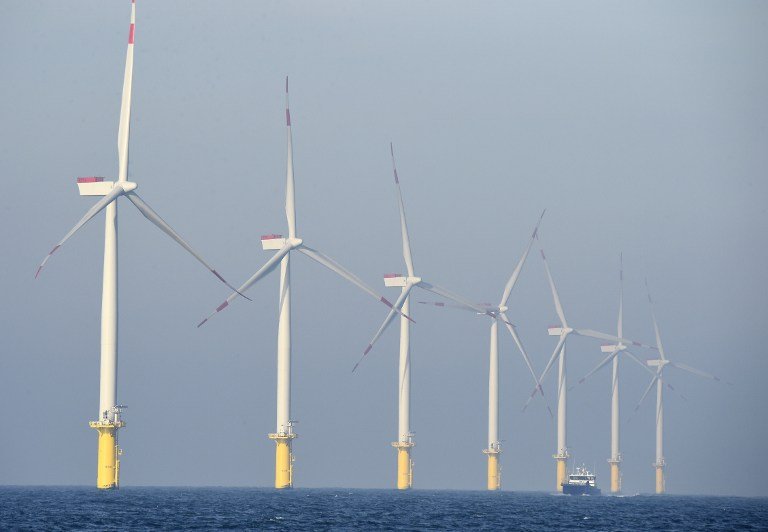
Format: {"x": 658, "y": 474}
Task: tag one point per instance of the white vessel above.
{"x": 581, "y": 482}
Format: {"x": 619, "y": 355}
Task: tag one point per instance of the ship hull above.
{"x": 580, "y": 489}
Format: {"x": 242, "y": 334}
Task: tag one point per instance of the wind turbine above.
{"x": 499, "y": 314}
{"x": 284, "y": 434}
{"x": 407, "y": 282}
{"x": 559, "y": 354}
{"x": 658, "y": 380}
{"x": 109, "y": 418}
{"x": 613, "y": 351}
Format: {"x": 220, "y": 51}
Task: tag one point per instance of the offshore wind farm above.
{"x": 523, "y": 182}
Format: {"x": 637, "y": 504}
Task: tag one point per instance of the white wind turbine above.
{"x": 284, "y": 246}
{"x": 407, "y": 283}
{"x": 109, "y": 420}
{"x": 559, "y": 354}
{"x": 658, "y": 380}
{"x": 499, "y": 314}
{"x": 613, "y": 351}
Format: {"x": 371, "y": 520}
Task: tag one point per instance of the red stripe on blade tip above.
{"x": 222, "y": 306}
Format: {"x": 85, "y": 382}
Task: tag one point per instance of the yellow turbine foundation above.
{"x": 108, "y": 458}
{"x": 494, "y": 469}
{"x": 615, "y": 476}
{"x": 283, "y": 460}
{"x": 660, "y": 487}
{"x": 562, "y": 471}
{"x": 404, "y": 464}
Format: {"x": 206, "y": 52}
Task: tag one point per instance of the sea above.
{"x": 145, "y": 508}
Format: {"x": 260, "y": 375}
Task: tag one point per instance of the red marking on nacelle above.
{"x": 90, "y": 179}
{"x": 271, "y": 237}
{"x": 130, "y": 34}
{"x": 392, "y": 275}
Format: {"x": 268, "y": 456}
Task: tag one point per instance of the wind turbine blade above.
{"x": 552, "y": 359}
{"x": 694, "y": 371}
{"x": 113, "y": 194}
{"x": 602, "y": 336}
{"x": 621, "y": 295}
{"x": 522, "y": 350}
{"x": 387, "y": 321}
{"x": 290, "y": 199}
{"x": 519, "y": 268}
{"x": 334, "y": 266}
{"x": 161, "y": 224}
{"x": 655, "y": 323}
{"x": 450, "y": 295}
{"x": 403, "y": 224}
{"x": 448, "y": 305}
{"x": 123, "y": 131}
{"x": 648, "y": 389}
{"x": 555, "y": 296}
{"x": 600, "y": 366}
{"x": 639, "y": 362}
{"x": 270, "y": 265}
{"x": 555, "y": 354}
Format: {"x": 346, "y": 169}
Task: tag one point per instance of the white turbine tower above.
{"x": 499, "y": 314}
{"x": 405, "y": 442}
{"x": 559, "y": 354}
{"x": 658, "y": 380}
{"x": 613, "y": 351}
{"x": 284, "y": 434}
{"x": 108, "y": 421}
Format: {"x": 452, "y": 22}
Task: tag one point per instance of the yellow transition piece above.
{"x": 660, "y": 487}
{"x": 283, "y": 460}
{"x": 562, "y": 472}
{"x": 615, "y": 478}
{"x": 494, "y": 469}
{"x": 108, "y": 461}
{"x": 404, "y": 465}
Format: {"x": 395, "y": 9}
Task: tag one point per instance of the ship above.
{"x": 581, "y": 482}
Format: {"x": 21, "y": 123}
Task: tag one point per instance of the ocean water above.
{"x": 136, "y": 508}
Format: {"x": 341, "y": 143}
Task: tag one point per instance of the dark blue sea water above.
{"x": 67, "y": 508}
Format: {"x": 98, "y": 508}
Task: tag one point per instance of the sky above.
{"x": 639, "y": 126}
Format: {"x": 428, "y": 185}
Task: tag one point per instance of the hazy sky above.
{"x": 640, "y": 126}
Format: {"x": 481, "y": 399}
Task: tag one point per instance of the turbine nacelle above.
{"x": 658, "y": 362}
{"x": 559, "y": 331}
{"x": 399, "y": 280}
{"x": 611, "y": 348}
{"x": 279, "y": 242}
{"x": 96, "y": 186}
